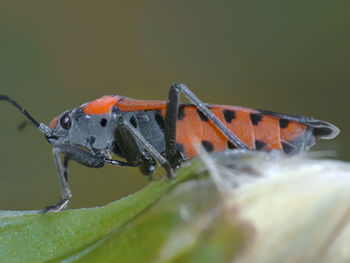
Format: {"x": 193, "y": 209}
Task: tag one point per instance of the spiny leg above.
{"x": 171, "y": 116}
{"x": 204, "y": 109}
{"x": 149, "y": 147}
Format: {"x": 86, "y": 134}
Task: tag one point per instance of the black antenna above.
{"x": 14, "y": 103}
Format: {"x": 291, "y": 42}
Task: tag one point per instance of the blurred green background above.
{"x": 287, "y": 56}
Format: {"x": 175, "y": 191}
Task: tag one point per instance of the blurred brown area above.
{"x": 291, "y": 57}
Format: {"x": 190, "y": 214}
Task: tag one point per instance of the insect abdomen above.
{"x": 260, "y": 130}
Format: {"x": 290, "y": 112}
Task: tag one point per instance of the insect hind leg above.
{"x": 204, "y": 109}
{"x": 172, "y": 111}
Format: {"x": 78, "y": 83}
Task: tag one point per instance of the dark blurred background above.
{"x": 287, "y": 56}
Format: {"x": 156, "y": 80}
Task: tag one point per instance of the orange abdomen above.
{"x": 256, "y": 130}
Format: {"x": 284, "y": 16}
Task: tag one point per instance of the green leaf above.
{"x": 177, "y": 220}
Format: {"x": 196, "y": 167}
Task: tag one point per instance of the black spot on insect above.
{"x": 202, "y": 116}
{"x": 284, "y": 123}
{"x": 160, "y": 120}
{"x": 230, "y": 145}
{"x": 103, "y": 122}
{"x": 260, "y": 145}
{"x": 288, "y": 148}
{"x": 229, "y": 115}
{"x": 133, "y": 122}
{"x": 181, "y": 114}
{"x": 255, "y": 118}
{"x": 208, "y": 146}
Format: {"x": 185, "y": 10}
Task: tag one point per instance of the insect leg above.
{"x": 154, "y": 153}
{"x": 62, "y": 177}
{"x": 171, "y": 116}
{"x": 204, "y": 109}
{"x": 119, "y": 163}
{"x": 88, "y": 159}
{"x": 65, "y": 167}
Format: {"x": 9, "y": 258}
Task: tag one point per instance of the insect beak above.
{"x": 50, "y": 135}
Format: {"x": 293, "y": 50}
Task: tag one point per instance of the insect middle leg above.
{"x": 124, "y": 124}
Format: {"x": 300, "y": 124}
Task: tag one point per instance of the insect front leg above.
{"x": 204, "y": 109}
{"x": 66, "y": 194}
{"x": 124, "y": 124}
{"x": 82, "y": 157}
{"x": 65, "y": 166}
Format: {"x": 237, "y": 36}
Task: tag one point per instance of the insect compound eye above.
{"x": 65, "y": 121}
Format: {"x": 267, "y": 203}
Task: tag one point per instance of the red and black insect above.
{"x": 145, "y": 132}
